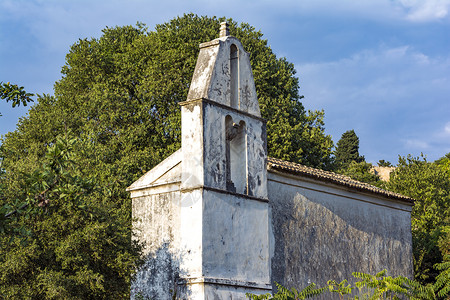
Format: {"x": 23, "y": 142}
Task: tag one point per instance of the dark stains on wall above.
{"x": 159, "y": 275}
{"x": 319, "y": 236}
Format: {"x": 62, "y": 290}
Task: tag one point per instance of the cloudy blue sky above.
{"x": 380, "y": 67}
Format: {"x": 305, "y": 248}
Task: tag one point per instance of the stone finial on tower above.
{"x": 224, "y": 29}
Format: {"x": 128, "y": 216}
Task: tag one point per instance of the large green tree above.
{"x": 61, "y": 238}
{"x": 119, "y": 97}
{"x": 429, "y": 185}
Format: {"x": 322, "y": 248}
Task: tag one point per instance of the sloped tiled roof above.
{"x": 298, "y": 169}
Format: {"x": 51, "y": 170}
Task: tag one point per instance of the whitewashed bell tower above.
{"x": 224, "y": 234}
{"x": 203, "y": 212}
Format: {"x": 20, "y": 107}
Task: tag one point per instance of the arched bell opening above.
{"x": 234, "y": 76}
{"x": 236, "y": 156}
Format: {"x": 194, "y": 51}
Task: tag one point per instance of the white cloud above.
{"x": 426, "y": 10}
{"x": 395, "y": 72}
{"x": 394, "y": 97}
{"x": 447, "y": 128}
{"x": 411, "y": 10}
{"x": 416, "y": 144}
{"x": 61, "y": 23}
{"x": 443, "y": 132}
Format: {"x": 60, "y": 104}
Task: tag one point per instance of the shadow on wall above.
{"x": 158, "y": 277}
{"x": 320, "y": 237}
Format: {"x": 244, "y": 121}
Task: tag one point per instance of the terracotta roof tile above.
{"x": 298, "y": 169}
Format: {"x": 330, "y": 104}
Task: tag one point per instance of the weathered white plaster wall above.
{"x": 156, "y": 210}
{"x": 192, "y": 233}
{"x": 157, "y": 224}
{"x": 192, "y": 145}
{"x": 225, "y": 246}
{"x": 212, "y": 76}
{"x": 324, "y": 232}
{"x": 235, "y": 239}
{"x": 214, "y": 149}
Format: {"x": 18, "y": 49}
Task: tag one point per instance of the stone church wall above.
{"x": 322, "y": 232}
{"x": 156, "y": 224}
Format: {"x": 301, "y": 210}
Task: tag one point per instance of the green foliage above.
{"x": 348, "y": 161}
{"x": 347, "y": 149}
{"x": 292, "y": 294}
{"x": 384, "y": 163}
{"x": 442, "y": 284}
{"x": 444, "y": 163}
{"x": 380, "y": 286}
{"x": 371, "y": 287}
{"x": 14, "y": 93}
{"x": 342, "y": 288}
{"x": 429, "y": 185}
{"x": 360, "y": 171}
{"x": 67, "y": 243}
{"x": 444, "y": 239}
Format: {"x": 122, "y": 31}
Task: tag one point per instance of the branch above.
{"x": 42, "y": 202}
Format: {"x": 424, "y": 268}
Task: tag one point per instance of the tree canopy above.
{"x": 347, "y": 149}
{"x": 348, "y": 161}
{"x": 62, "y": 239}
{"x": 384, "y": 163}
{"x": 118, "y": 99}
{"x": 429, "y": 185}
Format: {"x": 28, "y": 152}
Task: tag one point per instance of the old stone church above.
{"x": 220, "y": 218}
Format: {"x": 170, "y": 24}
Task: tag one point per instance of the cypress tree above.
{"x": 347, "y": 149}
